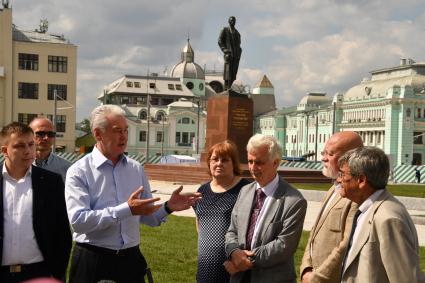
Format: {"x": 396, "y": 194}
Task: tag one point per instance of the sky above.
{"x": 301, "y": 45}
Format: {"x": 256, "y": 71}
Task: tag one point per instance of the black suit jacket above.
{"x": 50, "y": 220}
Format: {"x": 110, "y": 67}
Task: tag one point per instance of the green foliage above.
{"x": 403, "y": 190}
{"x": 171, "y": 250}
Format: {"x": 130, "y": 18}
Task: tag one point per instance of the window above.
{"x": 418, "y": 137}
{"x": 185, "y": 137}
{"x": 189, "y": 85}
{"x": 60, "y": 122}
{"x": 160, "y": 116}
{"x": 140, "y": 100}
{"x": 137, "y": 84}
{"x": 26, "y": 118}
{"x": 170, "y": 86}
{"x": 179, "y": 87}
{"x": 419, "y": 112}
{"x": 142, "y": 136}
{"x": 158, "y": 136}
{"x": 28, "y": 62}
{"x": 124, "y": 100}
{"x": 129, "y": 84}
{"x": 58, "y": 64}
{"x": 143, "y": 115}
{"x": 61, "y": 92}
{"x": 178, "y": 137}
{"x": 152, "y": 85}
{"x": 185, "y": 120}
{"x": 28, "y": 90}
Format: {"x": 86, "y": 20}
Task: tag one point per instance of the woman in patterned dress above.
{"x": 213, "y": 211}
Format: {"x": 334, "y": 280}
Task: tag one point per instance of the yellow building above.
{"x": 33, "y": 66}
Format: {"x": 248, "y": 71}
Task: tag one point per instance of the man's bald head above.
{"x": 335, "y": 147}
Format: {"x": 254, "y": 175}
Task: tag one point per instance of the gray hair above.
{"x": 98, "y": 115}
{"x": 258, "y": 140}
{"x": 368, "y": 161}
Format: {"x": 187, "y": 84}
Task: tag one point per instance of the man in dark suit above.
{"x": 267, "y": 220}
{"x": 229, "y": 41}
{"x": 35, "y": 238}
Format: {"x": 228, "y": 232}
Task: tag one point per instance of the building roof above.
{"x": 313, "y": 100}
{"x": 154, "y": 84}
{"x": 187, "y": 68}
{"x": 36, "y": 36}
{"x": 412, "y": 75}
{"x": 265, "y": 83}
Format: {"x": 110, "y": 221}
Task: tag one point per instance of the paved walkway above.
{"x": 164, "y": 189}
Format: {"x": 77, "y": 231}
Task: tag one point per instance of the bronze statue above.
{"x": 230, "y": 43}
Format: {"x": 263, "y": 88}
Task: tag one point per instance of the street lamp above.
{"x": 197, "y": 129}
{"x": 162, "y": 135}
{"x": 55, "y": 110}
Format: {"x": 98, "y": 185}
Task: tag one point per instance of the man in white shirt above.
{"x": 383, "y": 244}
{"x": 35, "y": 238}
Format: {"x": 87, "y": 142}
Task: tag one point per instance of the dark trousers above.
{"x": 16, "y": 274}
{"x": 91, "y": 264}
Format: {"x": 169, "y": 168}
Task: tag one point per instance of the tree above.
{"x": 85, "y": 125}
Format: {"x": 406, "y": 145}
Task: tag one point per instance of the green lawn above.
{"x": 171, "y": 250}
{"x": 398, "y": 190}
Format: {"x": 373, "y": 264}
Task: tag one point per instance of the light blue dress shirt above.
{"x": 96, "y": 195}
{"x": 54, "y": 164}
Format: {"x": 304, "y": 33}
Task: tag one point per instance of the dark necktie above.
{"x": 350, "y": 239}
{"x": 260, "y": 196}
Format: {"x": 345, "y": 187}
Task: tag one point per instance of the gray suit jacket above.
{"x": 386, "y": 249}
{"x": 278, "y": 236}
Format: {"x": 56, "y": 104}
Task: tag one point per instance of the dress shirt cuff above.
{"x": 162, "y": 212}
{"x": 122, "y": 211}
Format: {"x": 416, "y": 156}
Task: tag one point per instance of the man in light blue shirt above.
{"x": 108, "y": 196}
{"x": 44, "y": 135}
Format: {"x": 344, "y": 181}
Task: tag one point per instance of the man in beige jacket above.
{"x": 383, "y": 246}
{"x": 326, "y": 246}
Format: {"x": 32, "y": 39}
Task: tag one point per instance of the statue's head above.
{"x": 232, "y": 21}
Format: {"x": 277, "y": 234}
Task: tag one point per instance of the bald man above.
{"x": 44, "y": 135}
{"x": 329, "y": 236}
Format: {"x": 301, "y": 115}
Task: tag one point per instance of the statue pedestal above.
{"x": 229, "y": 116}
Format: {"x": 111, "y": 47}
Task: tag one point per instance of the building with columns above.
{"x": 34, "y": 65}
{"x": 387, "y": 110}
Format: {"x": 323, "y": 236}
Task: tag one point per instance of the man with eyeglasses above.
{"x": 383, "y": 245}
{"x": 44, "y": 135}
{"x": 328, "y": 237}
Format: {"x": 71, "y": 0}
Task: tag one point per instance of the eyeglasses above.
{"x": 343, "y": 175}
{"x": 42, "y": 134}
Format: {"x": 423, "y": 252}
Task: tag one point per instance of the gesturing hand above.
{"x": 179, "y": 201}
{"x": 139, "y": 206}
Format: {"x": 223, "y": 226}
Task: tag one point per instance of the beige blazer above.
{"x": 386, "y": 249}
{"x": 328, "y": 239}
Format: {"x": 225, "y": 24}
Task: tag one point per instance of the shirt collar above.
{"x": 47, "y": 161}
{"x": 99, "y": 159}
{"x": 369, "y": 201}
{"x": 6, "y": 174}
{"x": 270, "y": 188}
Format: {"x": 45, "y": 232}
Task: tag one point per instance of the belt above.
{"x": 106, "y": 251}
{"x": 18, "y": 268}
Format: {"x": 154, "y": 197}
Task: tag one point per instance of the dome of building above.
{"x": 411, "y": 75}
{"x": 187, "y": 68}
{"x": 313, "y": 100}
